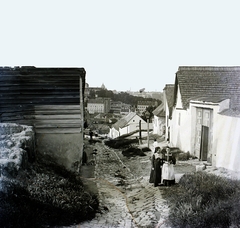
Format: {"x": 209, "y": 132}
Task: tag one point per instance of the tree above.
{"x": 122, "y": 96}
{"x": 149, "y": 109}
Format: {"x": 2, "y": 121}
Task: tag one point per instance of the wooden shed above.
{"x": 51, "y": 100}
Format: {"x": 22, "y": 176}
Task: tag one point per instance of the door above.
{"x": 198, "y": 131}
{"x": 203, "y": 133}
{"x": 207, "y": 121}
{"x": 204, "y": 143}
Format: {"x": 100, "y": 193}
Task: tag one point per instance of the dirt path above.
{"x": 126, "y": 197}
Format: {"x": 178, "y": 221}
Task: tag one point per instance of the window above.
{"x": 179, "y": 119}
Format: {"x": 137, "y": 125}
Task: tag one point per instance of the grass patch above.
{"x": 204, "y": 200}
{"x": 45, "y": 195}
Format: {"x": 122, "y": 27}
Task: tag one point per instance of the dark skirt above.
{"x": 151, "y": 179}
{"x": 157, "y": 173}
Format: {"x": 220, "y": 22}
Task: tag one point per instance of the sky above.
{"x": 123, "y": 44}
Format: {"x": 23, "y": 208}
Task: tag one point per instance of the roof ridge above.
{"x": 209, "y": 68}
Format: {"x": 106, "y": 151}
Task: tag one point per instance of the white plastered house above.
{"x": 127, "y": 125}
{"x": 168, "y": 99}
{"x": 159, "y": 120}
{"x": 206, "y": 114}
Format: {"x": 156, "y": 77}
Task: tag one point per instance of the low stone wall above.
{"x": 17, "y": 146}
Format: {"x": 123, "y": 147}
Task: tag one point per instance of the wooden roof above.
{"x": 42, "y": 97}
{"x": 213, "y": 83}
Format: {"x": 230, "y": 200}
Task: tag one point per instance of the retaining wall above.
{"x": 17, "y": 146}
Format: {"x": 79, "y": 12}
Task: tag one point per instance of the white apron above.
{"x": 167, "y": 172}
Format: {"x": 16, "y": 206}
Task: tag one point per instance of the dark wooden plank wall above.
{"x": 47, "y": 98}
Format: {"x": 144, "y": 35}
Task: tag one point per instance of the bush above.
{"x": 120, "y": 143}
{"x": 45, "y": 195}
{"x": 132, "y": 151}
{"x": 184, "y": 156}
{"x": 204, "y": 200}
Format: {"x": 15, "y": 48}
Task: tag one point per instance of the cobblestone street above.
{"x": 126, "y": 197}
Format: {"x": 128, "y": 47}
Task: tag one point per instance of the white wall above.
{"x": 167, "y": 121}
{"x": 155, "y": 125}
{"x": 132, "y": 126}
{"x": 227, "y": 142}
{"x": 113, "y": 133}
{"x": 225, "y": 150}
{"x": 158, "y": 125}
{"x": 180, "y": 135}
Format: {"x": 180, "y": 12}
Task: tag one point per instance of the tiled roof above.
{"x": 211, "y": 99}
{"x": 159, "y": 111}
{"x": 169, "y": 92}
{"x": 231, "y": 112}
{"x": 211, "y": 82}
{"x": 124, "y": 120}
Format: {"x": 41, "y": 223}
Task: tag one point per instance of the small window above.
{"x": 179, "y": 119}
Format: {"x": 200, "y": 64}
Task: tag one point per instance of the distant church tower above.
{"x": 103, "y": 86}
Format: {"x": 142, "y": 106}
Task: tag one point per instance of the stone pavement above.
{"x": 126, "y": 197}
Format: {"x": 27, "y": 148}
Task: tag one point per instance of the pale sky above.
{"x": 125, "y": 44}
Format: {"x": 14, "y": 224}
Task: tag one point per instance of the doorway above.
{"x": 203, "y": 133}
{"x": 204, "y": 143}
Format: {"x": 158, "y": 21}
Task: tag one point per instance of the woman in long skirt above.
{"x": 156, "y": 171}
{"x": 168, "y": 175}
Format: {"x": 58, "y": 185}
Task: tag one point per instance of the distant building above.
{"x": 89, "y": 89}
{"x": 116, "y": 107}
{"x": 144, "y": 94}
{"x": 126, "y": 108}
{"x": 159, "y": 120}
{"x": 142, "y": 105}
{"x": 127, "y": 125}
{"x": 103, "y": 86}
{"x": 125, "y": 111}
{"x": 119, "y": 107}
{"x": 98, "y": 105}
